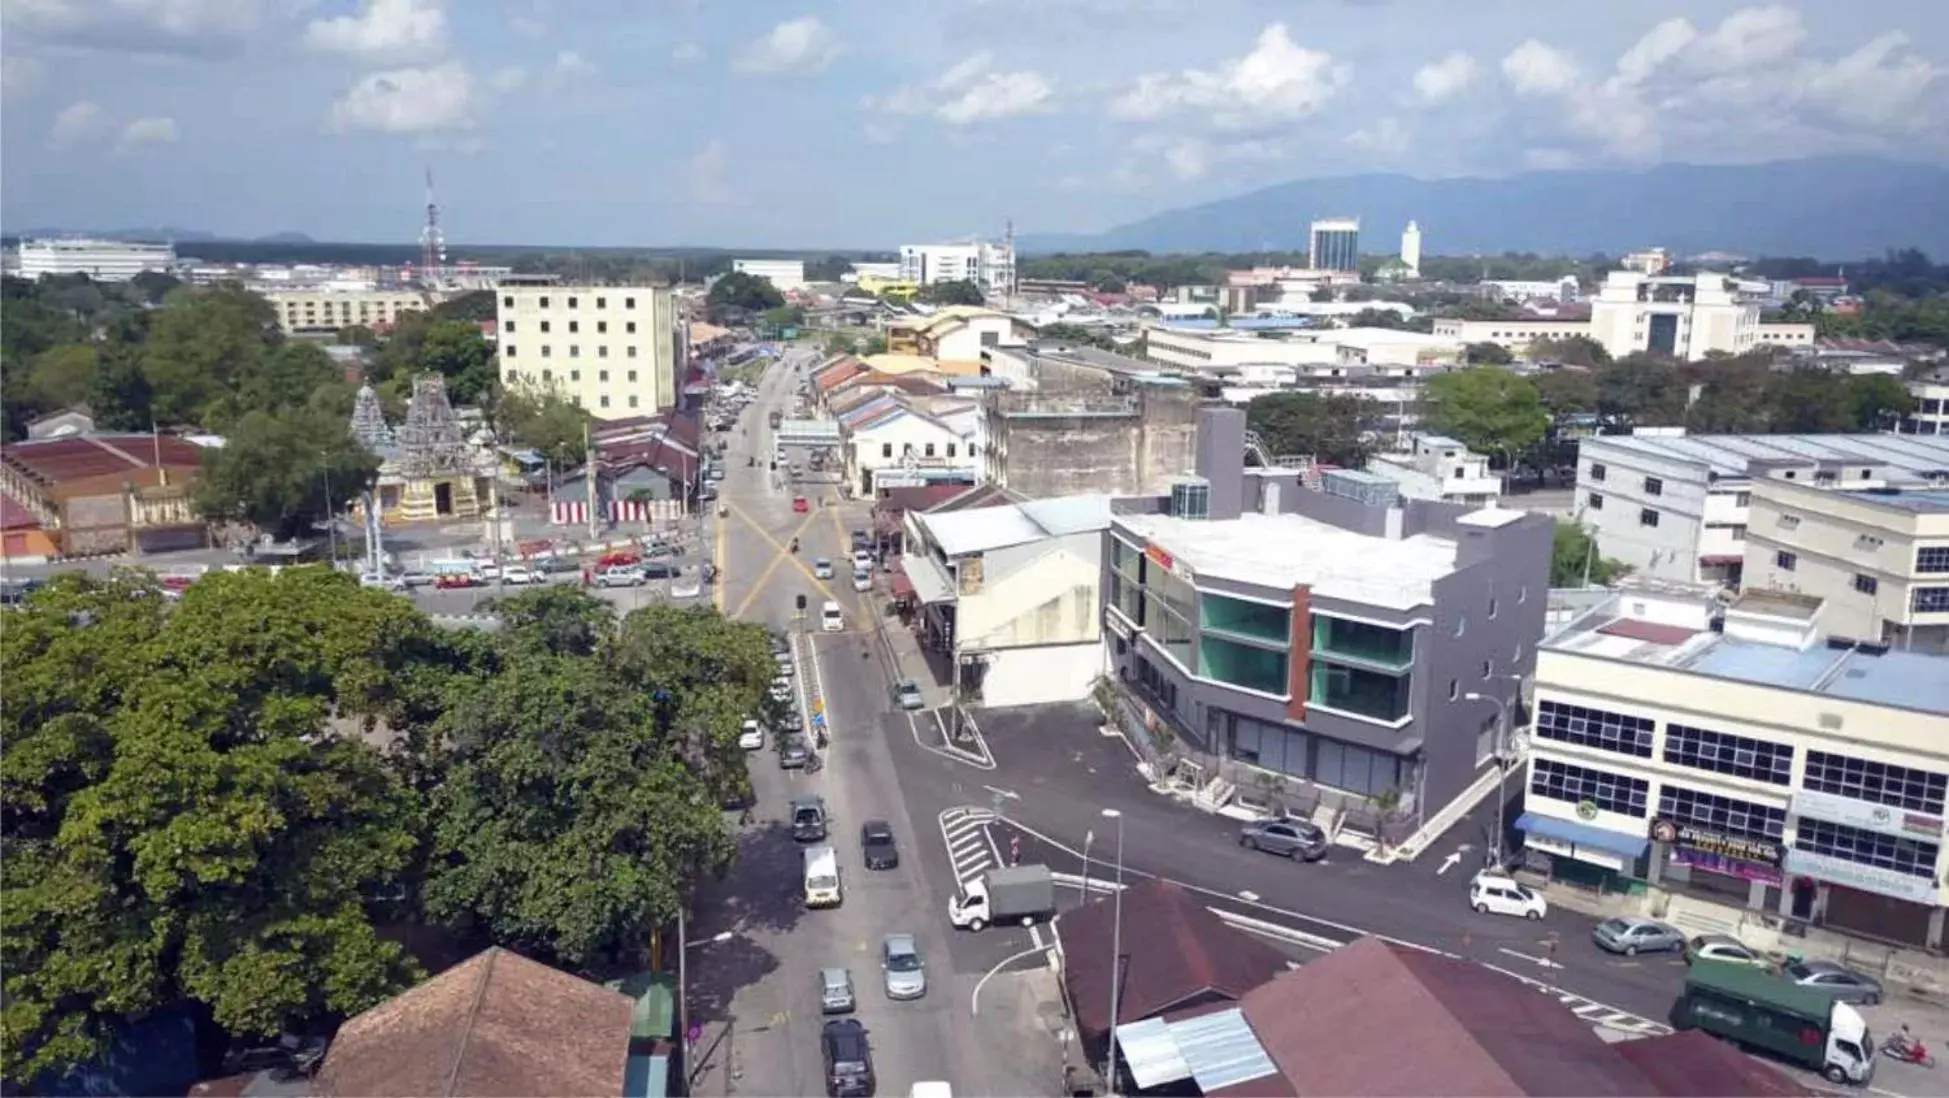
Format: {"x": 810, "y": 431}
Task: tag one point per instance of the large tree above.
{"x": 1486, "y": 408}
{"x": 184, "y": 819}
{"x": 1575, "y": 562}
{"x": 738, "y": 294}
{"x": 955, "y": 292}
{"x": 202, "y": 344}
{"x": 1640, "y": 391}
{"x": 284, "y": 472}
{"x": 1327, "y": 426}
{"x": 456, "y": 350}
{"x": 544, "y": 421}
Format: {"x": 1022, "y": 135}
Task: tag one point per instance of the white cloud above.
{"x": 19, "y": 75}
{"x": 1277, "y": 81}
{"x": 1534, "y": 68}
{"x": 148, "y": 131}
{"x": 971, "y": 91}
{"x": 569, "y": 63}
{"x": 191, "y": 28}
{"x": 1446, "y": 78}
{"x": 1384, "y": 140}
{"x": 709, "y": 173}
{"x": 408, "y": 101}
{"x": 688, "y": 53}
{"x": 510, "y": 79}
{"x": 1188, "y": 158}
{"x": 383, "y": 29}
{"x": 78, "y": 122}
{"x": 803, "y": 46}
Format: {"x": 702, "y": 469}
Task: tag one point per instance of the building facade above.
{"x": 618, "y": 351}
{"x": 1442, "y": 470}
{"x": 1329, "y": 638}
{"x": 1074, "y": 421}
{"x": 989, "y": 266}
{"x": 322, "y": 312}
{"x": 95, "y": 495}
{"x": 783, "y": 274}
{"x": 100, "y": 260}
{"x": 1931, "y": 414}
{"x": 1728, "y": 758}
{"x": 1333, "y": 244}
{"x": 1676, "y": 508}
{"x": 1411, "y": 249}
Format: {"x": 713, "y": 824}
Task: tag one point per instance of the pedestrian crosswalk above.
{"x": 970, "y": 848}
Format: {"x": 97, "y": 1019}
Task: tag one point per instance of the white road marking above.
{"x": 1249, "y": 896}
{"x": 981, "y": 762}
{"x": 1009, "y": 793}
{"x": 1543, "y": 962}
{"x": 969, "y": 851}
{"x": 1449, "y": 863}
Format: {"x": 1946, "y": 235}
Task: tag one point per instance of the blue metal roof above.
{"x": 1579, "y": 834}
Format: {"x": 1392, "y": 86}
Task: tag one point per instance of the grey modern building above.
{"x": 1329, "y": 635}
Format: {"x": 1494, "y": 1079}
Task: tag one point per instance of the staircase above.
{"x": 1215, "y": 794}
{"x": 1328, "y": 818}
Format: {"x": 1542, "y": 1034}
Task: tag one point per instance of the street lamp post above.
{"x": 1088, "y": 838}
{"x": 331, "y": 516}
{"x": 1500, "y": 751}
{"x": 1116, "y": 955}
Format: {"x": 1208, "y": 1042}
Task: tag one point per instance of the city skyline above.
{"x": 582, "y": 122}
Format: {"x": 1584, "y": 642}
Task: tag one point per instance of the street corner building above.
{"x": 1316, "y": 639}
{"x": 1741, "y": 765}
{"x": 91, "y": 495}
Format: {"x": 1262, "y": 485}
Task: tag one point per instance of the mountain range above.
{"x": 1834, "y": 207}
{"x": 158, "y": 236}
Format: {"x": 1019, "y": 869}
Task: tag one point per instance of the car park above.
{"x": 1289, "y": 837}
{"x": 751, "y": 736}
{"x": 876, "y": 845}
{"x": 836, "y": 991}
{"x": 1631, "y": 936}
{"x": 822, "y": 569}
{"x": 1841, "y": 982}
{"x": 906, "y": 695}
{"x": 1722, "y": 947}
{"x": 848, "y": 1060}
{"x": 906, "y": 973}
{"x": 1493, "y": 893}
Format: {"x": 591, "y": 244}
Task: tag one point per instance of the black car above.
{"x": 660, "y": 571}
{"x": 557, "y": 565}
{"x": 876, "y": 843}
{"x": 849, "y": 1063}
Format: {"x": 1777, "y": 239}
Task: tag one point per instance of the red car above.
{"x": 449, "y": 582}
{"x": 619, "y": 560}
{"x": 799, "y": 505}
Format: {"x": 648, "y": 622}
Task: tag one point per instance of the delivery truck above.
{"x": 1758, "y": 1009}
{"x": 1020, "y": 893}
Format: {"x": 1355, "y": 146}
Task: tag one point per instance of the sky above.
{"x": 871, "y": 123}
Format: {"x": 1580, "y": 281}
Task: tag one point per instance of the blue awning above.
{"x": 1578, "y": 834}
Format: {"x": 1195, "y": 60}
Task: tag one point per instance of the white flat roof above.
{"x": 1285, "y": 551}
{"x": 984, "y": 528}
{"x": 1728, "y": 456}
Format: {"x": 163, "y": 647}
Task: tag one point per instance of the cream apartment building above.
{"x": 1877, "y": 557}
{"x": 323, "y": 311}
{"x": 618, "y": 351}
{"x": 1685, "y": 317}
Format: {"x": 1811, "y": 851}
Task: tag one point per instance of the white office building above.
{"x": 989, "y": 266}
{"x": 1676, "y": 508}
{"x": 618, "y": 351}
{"x": 1684, "y": 316}
{"x": 1931, "y": 414}
{"x": 1333, "y": 244}
{"x": 784, "y": 274}
{"x": 100, "y": 260}
{"x": 1440, "y": 469}
{"x": 1741, "y": 772}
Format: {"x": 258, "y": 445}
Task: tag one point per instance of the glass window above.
{"x": 1357, "y": 769}
{"x": 1247, "y": 619}
{"x": 1359, "y": 691}
{"x": 1598, "y": 728}
{"x": 1245, "y": 665}
{"x": 1932, "y": 559}
{"x": 1576, "y": 784}
{"x": 1716, "y": 813}
{"x": 1876, "y": 783}
{"x": 1358, "y": 640}
{"x": 1704, "y": 749}
{"x": 1910, "y": 857}
{"x": 1929, "y": 600}
{"x": 1268, "y": 746}
{"x": 1127, "y": 597}
{"x": 1170, "y": 628}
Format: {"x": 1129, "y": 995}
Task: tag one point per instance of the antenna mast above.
{"x": 433, "y": 246}
{"x": 1008, "y": 252}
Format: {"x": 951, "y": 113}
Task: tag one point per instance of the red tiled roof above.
{"x": 53, "y": 461}
{"x": 15, "y": 516}
{"x": 1650, "y": 631}
{"x": 1694, "y": 1065}
{"x": 899, "y": 501}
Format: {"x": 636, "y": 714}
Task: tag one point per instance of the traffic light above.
{"x": 801, "y": 604}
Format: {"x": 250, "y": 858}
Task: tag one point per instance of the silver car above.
{"x": 1632, "y": 936}
{"x": 1839, "y": 981}
{"x": 906, "y": 973}
{"x": 836, "y": 991}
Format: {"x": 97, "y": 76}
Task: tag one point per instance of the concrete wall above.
{"x": 1133, "y": 452}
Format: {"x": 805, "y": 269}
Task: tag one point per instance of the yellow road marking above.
{"x": 781, "y": 555}
{"x": 717, "y": 589}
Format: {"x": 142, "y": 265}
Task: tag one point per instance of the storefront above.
{"x": 1865, "y": 868}
{"x": 1581, "y": 853}
{"x": 1725, "y": 867}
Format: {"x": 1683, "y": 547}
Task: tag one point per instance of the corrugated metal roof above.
{"x": 1221, "y": 1049}
{"x": 931, "y": 582}
{"x": 1065, "y": 515}
{"x": 1150, "y": 1050}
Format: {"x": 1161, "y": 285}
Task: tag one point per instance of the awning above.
{"x": 930, "y": 580}
{"x": 1578, "y": 834}
{"x": 903, "y": 588}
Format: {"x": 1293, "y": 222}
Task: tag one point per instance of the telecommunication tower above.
{"x": 433, "y": 246}
{"x": 1008, "y": 253}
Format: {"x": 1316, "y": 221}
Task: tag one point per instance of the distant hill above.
{"x": 1829, "y": 207}
{"x": 141, "y": 236}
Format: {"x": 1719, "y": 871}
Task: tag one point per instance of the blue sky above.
{"x": 866, "y": 124}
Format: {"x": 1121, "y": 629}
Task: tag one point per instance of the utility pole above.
{"x": 589, "y": 478}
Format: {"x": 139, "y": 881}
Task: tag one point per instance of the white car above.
{"x": 751, "y": 736}
{"x": 1496, "y": 894}
{"x": 686, "y": 590}
{"x": 785, "y": 665}
{"x": 862, "y": 560}
{"x": 383, "y": 582}
{"x": 781, "y": 688}
{"x": 863, "y": 579}
{"x": 822, "y": 569}
{"x": 519, "y": 575}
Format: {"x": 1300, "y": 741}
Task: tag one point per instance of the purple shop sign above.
{"x": 693, "y": 1033}
{"x": 1731, "y": 867}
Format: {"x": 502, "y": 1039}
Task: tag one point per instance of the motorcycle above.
{"x": 795, "y": 545}
{"x": 1908, "y": 1050}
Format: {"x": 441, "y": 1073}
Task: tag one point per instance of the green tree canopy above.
{"x": 545, "y": 421}
{"x": 957, "y": 292}
{"x": 456, "y": 350}
{"x": 278, "y": 470}
{"x": 1486, "y": 408}
{"x": 1487, "y": 354}
{"x": 737, "y": 292}
{"x": 472, "y": 307}
{"x": 1570, "y": 350}
{"x": 1574, "y": 561}
{"x": 1327, "y": 426}
{"x": 1567, "y": 391}
{"x": 202, "y": 345}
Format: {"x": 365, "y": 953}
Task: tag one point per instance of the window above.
{"x": 605, "y": 400}
{"x": 544, "y": 303}
{"x": 602, "y": 375}
{"x": 1867, "y": 585}
{"x": 1742, "y": 499}
{"x": 548, "y": 375}
{"x": 632, "y": 375}
{"x": 545, "y": 327}
{"x": 602, "y": 303}
{"x": 1876, "y": 783}
{"x": 575, "y": 350}
{"x": 547, "y": 351}
{"x": 1454, "y": 689}
{"x": 1488, "y": 669}
{"x": 1867, "y": 543}
{"x": 575, "y": 375}
{"x": 950, "y": 449}
{"x": 1653, "y": 486}
{"x": 1929, "y": 600}
{"x": 886, "y": 449}
{"x": 632, "y": 402}
{"x": 1597, "y": 470}
{"x": 1343, "y": 637}
{"x": 930, "y": 449}
{"x": 629, "y": 303}
{"x": 574, "y": 326}
{"x": 629, "y": 327}
{"x": 1724, "y": 753}
{"x": 602, "y": 326}
{"x": 1375, "y": 695}
{"x": 1785, "y": 561}
{"x": 1716, "y": 813}
{"x": 1596, "y": 501}
{"x": 1243, "y": 665}
{"x": 1908, "y": 857}
{"x": 508, "y": 328}
{"x": 508, "y": 301}
{"x": 1788, "y": 522}
{"x": 508, "y": 350}
{"x": 1242, "y": 618}
{"x": 571, "y": 303}
{"x": 1576, "y": 784}
{"x": 602, "y": 350}
{"x": 514, "y": 375}
{"x": 1358, "y": 769}
{"x": 631, "y": 351}
{"x": 1492, "y": 606}
{"x": 1932, "y": 559}
{"x": 1598, "y": 728}
{"x": 1647, "y": 517}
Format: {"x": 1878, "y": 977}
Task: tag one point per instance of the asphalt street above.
{"x": 753, "y": 975}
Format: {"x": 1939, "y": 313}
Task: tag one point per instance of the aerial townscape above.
{"x": 1316, "y": 569}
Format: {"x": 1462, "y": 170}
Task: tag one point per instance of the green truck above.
{"x": 1757, "y": 1009}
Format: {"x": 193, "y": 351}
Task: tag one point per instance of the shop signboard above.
{"x": 1880, "y": 818}
{"x": 1739, "y": 856}
{"x": 1867, "y": 878}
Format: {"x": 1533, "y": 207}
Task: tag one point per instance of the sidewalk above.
{"x": 912, "y": 663}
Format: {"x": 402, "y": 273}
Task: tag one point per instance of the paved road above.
{"x": 755, "y": 991}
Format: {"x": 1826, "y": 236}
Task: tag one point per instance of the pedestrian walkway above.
{"x": 971, "y": 849}
{"x": 912, "y": 663}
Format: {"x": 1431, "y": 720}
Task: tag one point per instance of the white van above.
{"x": 821, "y": 876}
{"x": 830, "y": 618}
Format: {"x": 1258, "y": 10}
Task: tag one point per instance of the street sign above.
{"x": 693, "y": 1033}
{"x": 818, "y": 720}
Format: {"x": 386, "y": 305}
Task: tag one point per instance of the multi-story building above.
{"x": 1441, "y": 469}
{"x": 1518, "y": 289}
{"x": 1676, "y": 508}
{"x": 1931, "y": 414}
{"x": 1876, "y": 555}
{"x": 989, "y": 266}
{"x": 1512, "y": 335}
{"x": 784, "y": 274}
{"x": 1077, "y": 419}
{"x": 1684, "y": 317}
{"x": 1743, "y": 767}
{"x": 1211, "y": 351}
{"x": 1651, "y": 261}
{"x": 1333, "y": 244}
{"x": 893, "y": 439}
{"x": 323, "y": 311}
{"x": 957, "y": 333}
{"x": 100, "y": 260}
{"x": 617, "y": 351}
{"x": 1344, "y": 640}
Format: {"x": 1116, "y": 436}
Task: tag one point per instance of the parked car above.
{"x": 1722, "y": 947}
{"x": 657, "y": 571}
{"x": 1631, "y": 936}
{"x": 906, "y": 973}
{"x": 785, "y": 664}
{"x": 1492, "y": 893}
{"x": 1300, "y": 840}
{"x": 906, "y": 695}
{"x": 836, "y": 991}
{"x": 849, "y": 1063}
{"x": 877, "y": 846}
{"x": 822, "y": 569}
{"x": 862, "y": 560}
{"x": 555, "y": 566}
{"x": 751, "y": 736}
{"x": 416, "y": 579}
{"x": 863, "y": 579}
{"x": 519, "y": 575}
{"x": 1841, "y": 982}
{"x": 799, "y": 505}
{"x": 781, "y": 688}
{"x": 383, "y": 582}
{"x": 620, "y": 575}
{"x": 793, "y": 752}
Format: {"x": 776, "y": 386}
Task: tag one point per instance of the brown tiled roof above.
{"x": 1694, "y": 1065}
{"x": 497, "y": 1024}
{"x": 1176, "y": 953}
{"x": 1650, "y": 631}
{"x": 1402, "y": 1022}
{"x": 52, "y": 461}
{"x": 899, "y": 501}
